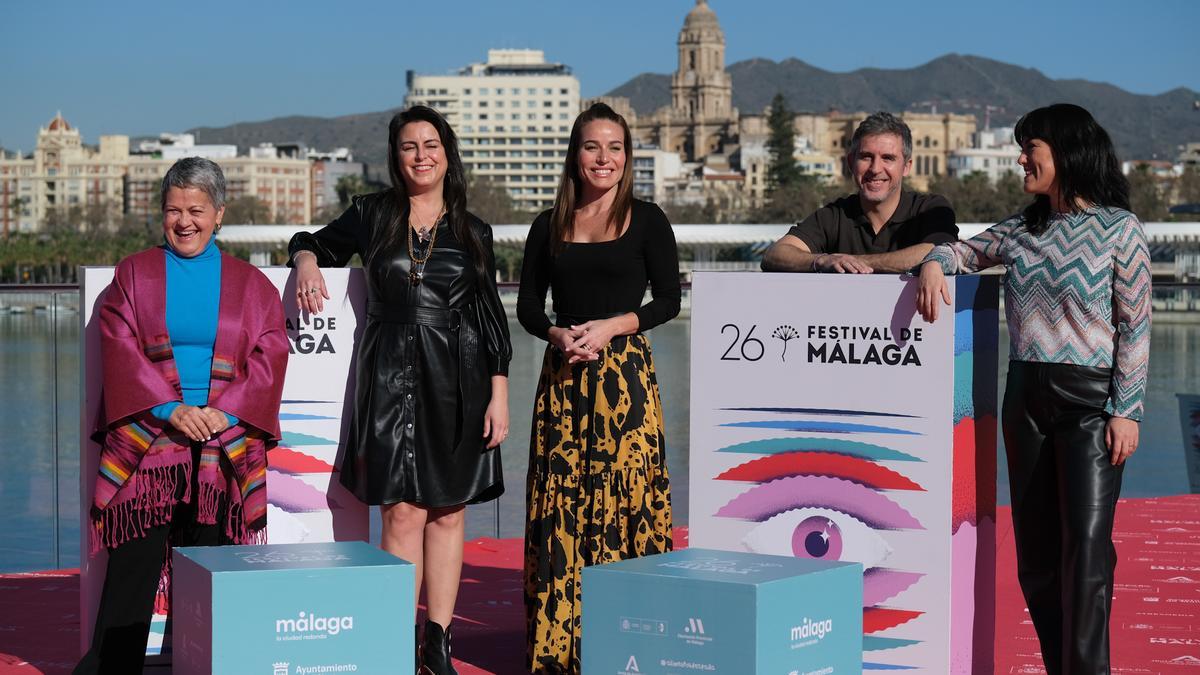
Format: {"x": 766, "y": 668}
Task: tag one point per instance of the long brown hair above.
{"x": 570, "y": 186}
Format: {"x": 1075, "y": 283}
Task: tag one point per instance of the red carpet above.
{"x": 1156, "y": 623}
{"x": 1156, "y": 602}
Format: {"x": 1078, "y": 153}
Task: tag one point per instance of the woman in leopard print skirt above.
{"x": 597, "y": 489}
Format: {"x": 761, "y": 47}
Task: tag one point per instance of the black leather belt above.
{"x": 416, "y": 314}
{"x": 563, "y": 320}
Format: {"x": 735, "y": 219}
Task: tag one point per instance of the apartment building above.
{"x": 993, "y": 152}
{"x": 61, "y": 172}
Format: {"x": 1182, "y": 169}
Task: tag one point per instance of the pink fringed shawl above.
{"x": 143, "y": 460}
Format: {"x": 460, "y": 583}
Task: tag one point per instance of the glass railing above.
{"x": 1172, "y": 297}
{"x": 39, "y": 448}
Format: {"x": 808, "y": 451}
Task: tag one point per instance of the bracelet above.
{"x": 814, "y": 262}
{"x": 296, "y": 255}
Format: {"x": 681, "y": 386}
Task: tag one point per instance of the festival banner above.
{"x": 829, "y": 421}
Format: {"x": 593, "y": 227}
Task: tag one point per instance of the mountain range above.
{"x": 1142, "y": 126}
{"x": 364, "y": 133}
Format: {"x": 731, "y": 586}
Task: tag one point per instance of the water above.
{"x": 1158, "y": 467}
{"x": 35, "y": 376}
{"x": 41, "y": 393}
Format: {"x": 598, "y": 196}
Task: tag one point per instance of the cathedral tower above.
{"x": 700, "y": 87}
{"x": 701, "y": 115}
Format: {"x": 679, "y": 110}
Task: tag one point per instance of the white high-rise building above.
{"x": 513, "y": 116}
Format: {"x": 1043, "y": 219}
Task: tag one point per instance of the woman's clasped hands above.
{"x": 198, "y": 423}
{"x": 583, "y": 342}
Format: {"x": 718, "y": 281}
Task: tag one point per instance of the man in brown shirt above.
{"x": 882, "y": 228}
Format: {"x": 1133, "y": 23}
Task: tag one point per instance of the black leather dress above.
{"x": 424, "y": 367}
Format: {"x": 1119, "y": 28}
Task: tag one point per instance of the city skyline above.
{"x": 157, "y": 67}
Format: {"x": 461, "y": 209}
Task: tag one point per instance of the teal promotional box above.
{"x": 291, "y": 608}
{"x": 702, "y": 611}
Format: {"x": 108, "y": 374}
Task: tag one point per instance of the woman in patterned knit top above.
{"x": 1077, "y": 299}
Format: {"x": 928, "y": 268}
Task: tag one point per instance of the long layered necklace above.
{"x": 416, "y": 271}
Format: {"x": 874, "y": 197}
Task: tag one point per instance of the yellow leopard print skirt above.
{"x": 597, "y": 490}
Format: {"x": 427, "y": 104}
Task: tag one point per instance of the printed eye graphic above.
{"x": 819, "y": 534}
{"x": 817, "y": 537}
{"x": 832, "y": 497}
{"x": 825, "y": 499}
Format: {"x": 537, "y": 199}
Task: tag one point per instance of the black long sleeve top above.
{"x": 602, "y": 279}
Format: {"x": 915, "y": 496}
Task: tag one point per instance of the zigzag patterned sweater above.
{"x": 1078, "y": 293}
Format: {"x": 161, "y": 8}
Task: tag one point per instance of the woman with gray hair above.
{"x": 193, "y": 349}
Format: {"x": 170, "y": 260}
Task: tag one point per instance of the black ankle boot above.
{"x": 417, "y": 648}
{"x": 435, "y": 650}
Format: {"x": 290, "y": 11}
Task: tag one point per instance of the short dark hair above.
{"x": 1085, "y": 162}
{"x": 195, "y": 172}
{"x": 882, "y": 123}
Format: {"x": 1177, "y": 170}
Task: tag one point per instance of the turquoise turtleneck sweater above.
{"x": 193, "y": 301}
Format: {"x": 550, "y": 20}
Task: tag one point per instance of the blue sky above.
{"x": 142, "y": 67}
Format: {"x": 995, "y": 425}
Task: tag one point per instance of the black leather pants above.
{"x": 1064, "y": 494}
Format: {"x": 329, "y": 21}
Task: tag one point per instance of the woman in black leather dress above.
{"x": 431, "y": 403}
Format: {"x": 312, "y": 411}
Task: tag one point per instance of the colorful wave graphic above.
{"x": 826, "y": 498}
{"x": 288, "y": 417}
{"x": 295, "y": 496}
{"x": 823, "y": 411}
{"x": 294, "y": 438}
{"x": 771, "y": 446}
{"x": 288, "y": 460}
{"x": 880, "y": 619}
{"x": 819, "y": 427}
{"x": 881, "y": 585}
{"x": 858, "y": 470}
{"x": 784, "y": 494}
